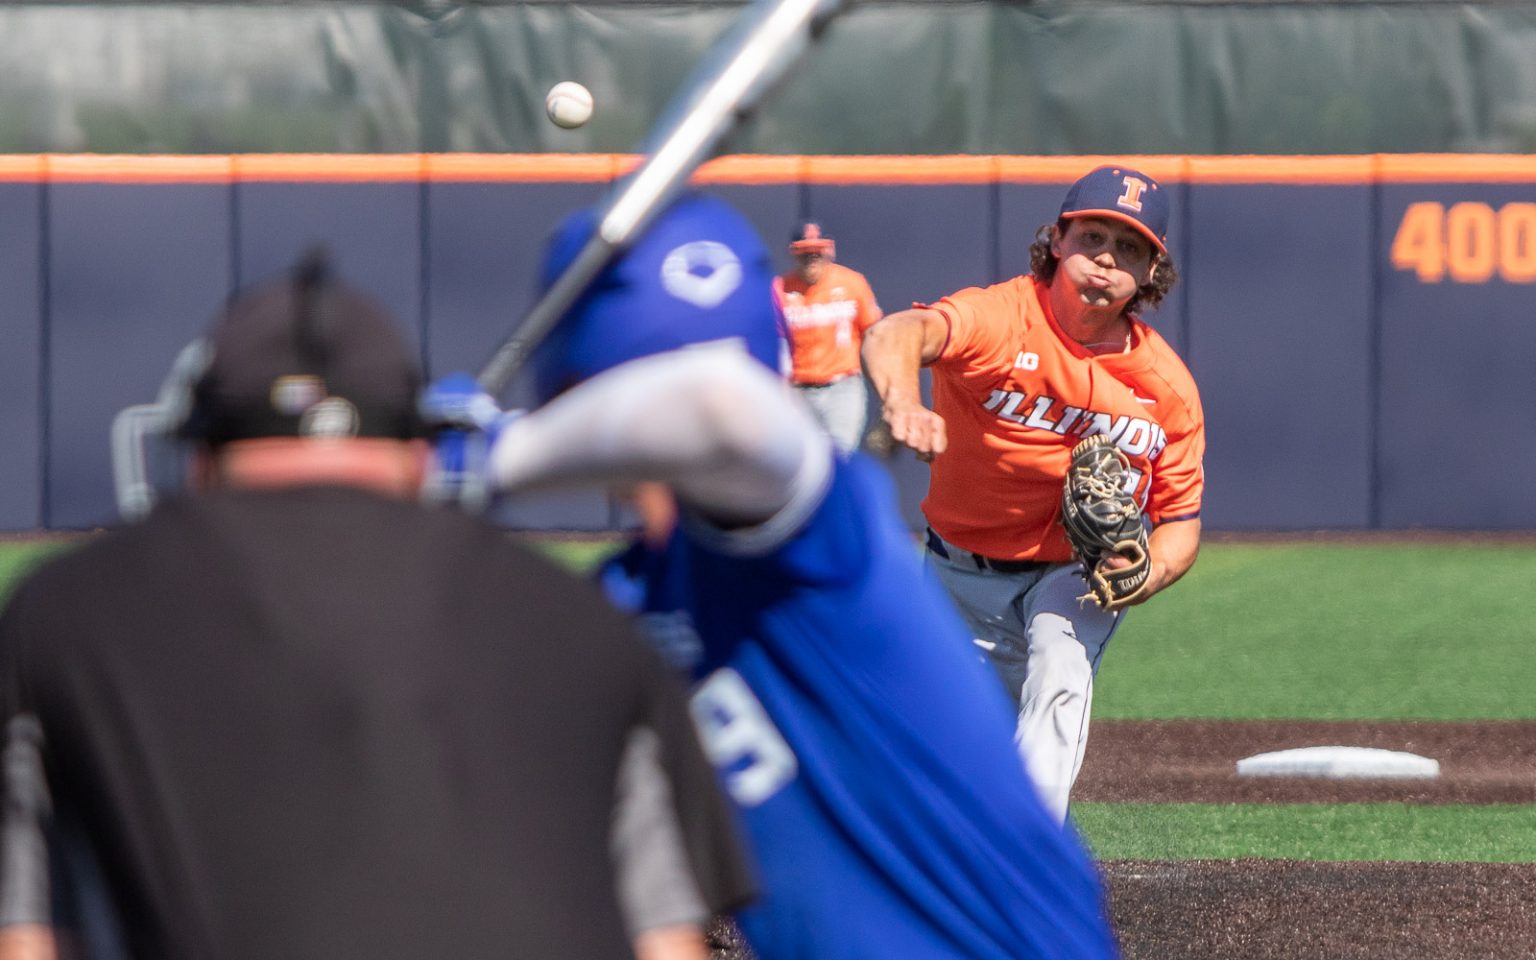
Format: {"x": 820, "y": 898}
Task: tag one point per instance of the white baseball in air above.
{"x": 569, "y": 104}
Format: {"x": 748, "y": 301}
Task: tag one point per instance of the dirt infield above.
{"x": 1284, "y": 910}
{"x": 1289, "y": 910}
{"x": 1195, "y": 761}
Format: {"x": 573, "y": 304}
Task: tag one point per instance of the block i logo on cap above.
{"x": 1121, "y": 193}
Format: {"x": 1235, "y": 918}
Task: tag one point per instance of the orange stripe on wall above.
{"x": 762, "y": 169}
{"x": 106, "y": 168}
{"x": 753, "y": 169}
{"x": 875, "y": 170}
{"x": 330, "y": 168}
{"x": 1067, "y": 169}
{"x": 1472, "y": 167}
{"x": 21, "y": 168}
{"x": 525, "y": 168}
{"x": 1298, "y": 170}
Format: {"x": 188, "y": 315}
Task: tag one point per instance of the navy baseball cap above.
{"x": 700, "y": 273}
{"x": 1123, "y": 194}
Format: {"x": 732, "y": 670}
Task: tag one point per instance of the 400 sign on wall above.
{"x": 1468, "y": 242}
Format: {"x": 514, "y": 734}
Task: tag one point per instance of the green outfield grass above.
{"x": 580, "y": 555}
{"x": 1273, "y": 631}
{"x": 1332, "y": 631}
{"x": 1364, "y": 831}
{"x": 18, "y": 557}
{"x": 1326, "y": 631}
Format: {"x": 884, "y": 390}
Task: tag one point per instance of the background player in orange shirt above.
{"x": 827, "y": 307}
{"x": 1022, "y": 371}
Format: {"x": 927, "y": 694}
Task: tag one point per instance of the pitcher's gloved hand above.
{"x": 1103, "y": 524}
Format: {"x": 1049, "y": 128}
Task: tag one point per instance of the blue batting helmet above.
{"x": 700, "y": 273}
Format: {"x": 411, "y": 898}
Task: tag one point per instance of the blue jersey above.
{"x": 866, "y": 743}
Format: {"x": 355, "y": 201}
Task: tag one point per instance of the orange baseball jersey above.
{"x": 1017, "y": 394}
{"x": 826, "y": 322}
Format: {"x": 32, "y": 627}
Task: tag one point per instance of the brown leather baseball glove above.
{"x": 1101, "y": 518}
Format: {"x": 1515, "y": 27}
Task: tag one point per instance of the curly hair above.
{"x": 1043, "y": 264}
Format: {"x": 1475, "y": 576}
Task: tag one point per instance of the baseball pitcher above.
{"x": 1024, "y": 373}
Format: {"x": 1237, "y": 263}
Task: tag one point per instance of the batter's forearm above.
{"x": 720, "y": 429}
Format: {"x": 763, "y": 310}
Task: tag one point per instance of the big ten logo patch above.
{"x": 752, "y": 756}
{"x": 1467, "y": 242}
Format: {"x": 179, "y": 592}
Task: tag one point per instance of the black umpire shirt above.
{"x": 319, "y": 723}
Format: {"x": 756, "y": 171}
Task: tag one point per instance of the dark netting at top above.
{"x": 891, "y": 77}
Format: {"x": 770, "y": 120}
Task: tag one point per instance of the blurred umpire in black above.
{"x": 298, "y": 714}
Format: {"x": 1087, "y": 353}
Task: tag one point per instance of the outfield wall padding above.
{"x": 22, "y": 355}
{"x": 1361, "y": 327}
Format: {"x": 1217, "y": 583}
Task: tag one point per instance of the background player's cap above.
{"x": 700, "y": 273}
{"x": 304, "y": 355}
{"x": 809, "y": 238}
{"x": 1121, "y": 193}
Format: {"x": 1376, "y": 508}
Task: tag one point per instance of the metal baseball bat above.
{"x": 732, "y": 80}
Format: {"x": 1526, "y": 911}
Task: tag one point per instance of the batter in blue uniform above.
{"x": 870, "y": 754}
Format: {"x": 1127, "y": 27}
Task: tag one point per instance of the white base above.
{"x": 1339, "y": 763}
